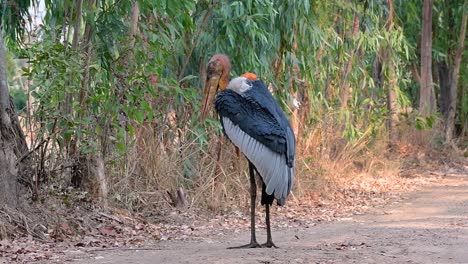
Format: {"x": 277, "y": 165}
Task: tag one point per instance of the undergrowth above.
{"x": 156, "y": 177}
{"x": 152, "y": 172}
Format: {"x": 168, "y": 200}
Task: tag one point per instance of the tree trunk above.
{"x": 426, "y": 99}
{"x": 391, "y": 104}
{"x": 450, "y": 122}
{"x": 99, "y": 171}
{"x": 8, "y": 170}
{"x": 8, "y": 174}
{"x": 95, "y": 171}
{"x": 71, "y": 144}
{"x": 415, "y": 72}
{"x": 377, "y": 75}
{"x": 391, "y": 83}
{"x": 464, "y": 114}
{"x": 134, "y": 23}
{"x": 444, "y": 86}
{"x": 294, "y": 73}
{"x": 344, "y": 87}
{"x": 86, "y": 48}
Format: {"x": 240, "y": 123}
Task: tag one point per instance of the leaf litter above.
{"x": 82, "y": 228}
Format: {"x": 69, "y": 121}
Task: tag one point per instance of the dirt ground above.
{"x": 428, "y": 226}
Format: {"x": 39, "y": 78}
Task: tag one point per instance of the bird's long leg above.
{"x": 238, "y": 161}
{"x": 269, "y": 242}
{"x": 217, "y": 189}
{"x": 219, "y": 158}
{"x": 253, "y": 196}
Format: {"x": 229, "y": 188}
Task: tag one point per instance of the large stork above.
{"x": 256, "y": 124}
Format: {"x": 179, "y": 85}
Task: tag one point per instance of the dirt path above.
{"x": 430, "y": 226}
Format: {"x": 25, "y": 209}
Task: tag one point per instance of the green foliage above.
{"x": 20, "y": 99}
{"x": 13, "y": 17}
{"x": 271, "y": 38}
{"x": 299, "y": 48}
{"x": 12, "y": 69}
{"x": 419, "y": 122}
{"x": 127, "y": 86}
{"x": 55, "y": 70}
{"x": 242, "y": 29}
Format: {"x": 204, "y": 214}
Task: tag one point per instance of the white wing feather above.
{"x": 271, "y": 165}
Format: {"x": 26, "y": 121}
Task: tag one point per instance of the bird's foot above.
{"x": 252, "y": 244}
{"x": 269, "y": 244}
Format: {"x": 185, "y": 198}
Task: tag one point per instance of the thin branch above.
{"x": 195, "y": 41}
{"x": 32, "y": 151}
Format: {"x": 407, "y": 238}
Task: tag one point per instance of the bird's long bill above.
{"x": 209, "y": 92}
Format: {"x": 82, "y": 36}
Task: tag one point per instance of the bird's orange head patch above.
{"x": 250, "y": 76}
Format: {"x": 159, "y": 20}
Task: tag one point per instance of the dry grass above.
{"x": 326, "y": 164}
{"x": 154, "y": 168}
{"x": 161, "y": 161}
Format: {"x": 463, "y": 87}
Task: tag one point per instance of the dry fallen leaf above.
{"x": 108, "y": 230}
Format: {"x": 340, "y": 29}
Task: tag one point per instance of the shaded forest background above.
{"x": 107, "y": 93}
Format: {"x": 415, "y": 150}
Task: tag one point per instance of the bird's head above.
{"x": 217, "y": 79}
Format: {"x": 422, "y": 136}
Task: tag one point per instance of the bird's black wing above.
{"x": 253, "y": 125}
{"x": 262, "y": 96}
{"x": 254, "y": 120}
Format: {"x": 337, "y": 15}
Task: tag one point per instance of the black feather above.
{"x": 257, "y": 114}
